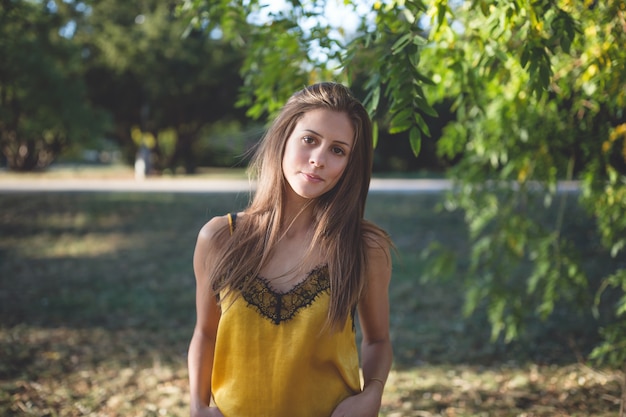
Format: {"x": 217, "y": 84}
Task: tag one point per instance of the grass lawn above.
{"x": 97, "y": 308}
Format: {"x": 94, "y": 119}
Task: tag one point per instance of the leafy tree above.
{"x": 43, "y": 105}
{"x": 539, "y": 99}
{"x": 155, "y": 81}
{"x": 538, "y": 95}
{"x": 284, "y": 49}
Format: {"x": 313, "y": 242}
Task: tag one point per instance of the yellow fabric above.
{"x": 290, "y": 367}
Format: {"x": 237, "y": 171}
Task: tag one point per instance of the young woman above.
{"x": 278, "y": 285}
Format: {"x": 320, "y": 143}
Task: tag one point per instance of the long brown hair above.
{"x": 340, "y": 228}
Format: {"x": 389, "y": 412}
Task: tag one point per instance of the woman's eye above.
{"x": 339, "y": 151}
{"x": 308, "y": 139}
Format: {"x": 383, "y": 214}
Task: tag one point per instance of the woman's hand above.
{"x": 364, "y": 404}
{"x": 207, "y": 412}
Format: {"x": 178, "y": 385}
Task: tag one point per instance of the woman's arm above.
{"x": 202, "y": 345}
{"x": 376, "y": 350}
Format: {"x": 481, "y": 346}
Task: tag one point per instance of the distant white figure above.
{"x": 142, "y": 163}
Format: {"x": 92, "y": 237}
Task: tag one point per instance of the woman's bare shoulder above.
{"x": 213, "y": 228}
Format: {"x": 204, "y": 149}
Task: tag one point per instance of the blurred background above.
{"x": 509, "y": 284}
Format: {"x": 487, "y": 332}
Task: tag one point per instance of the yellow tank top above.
{"x": 274, "y": 356}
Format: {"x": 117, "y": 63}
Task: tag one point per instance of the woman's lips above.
{"x": 312, "y": 177}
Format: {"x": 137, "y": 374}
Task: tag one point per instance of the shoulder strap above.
{"x": 232, "y": 222}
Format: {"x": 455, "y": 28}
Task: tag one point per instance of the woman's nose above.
{"x": 317, "y": 159}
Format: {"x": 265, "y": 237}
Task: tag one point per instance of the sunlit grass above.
{"x": 530, "y": 390}
{"x": 97, "y": 308}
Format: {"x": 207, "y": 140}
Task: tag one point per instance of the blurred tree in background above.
{"x": 43, "y": 100}
{"x": 77, "y": 73}
{"x": 161, "y": 88}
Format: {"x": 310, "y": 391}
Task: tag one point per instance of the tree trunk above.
{"x": 183, "y": 153}
{"x": 622, "y": 408}
{"x": 31, "y": 154}
{"x": 21, "y": 155}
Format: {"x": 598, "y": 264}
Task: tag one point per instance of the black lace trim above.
{"x": 281, "y": 307}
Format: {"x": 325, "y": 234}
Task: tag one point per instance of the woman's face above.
{"x": 317, "y": 152}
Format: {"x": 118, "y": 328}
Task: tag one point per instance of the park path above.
{"x": 205, "y": 185}
{"x": 191, "y": 185}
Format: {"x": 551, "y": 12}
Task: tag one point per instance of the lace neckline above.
{"x": 268, "y": 283}
{"x": 279, "y": 306}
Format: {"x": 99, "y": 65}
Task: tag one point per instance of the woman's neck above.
{"x": 298, "y": 217}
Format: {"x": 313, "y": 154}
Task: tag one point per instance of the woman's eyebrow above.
{"x": 314, "y": 132}
{"x": 322, "y": 136}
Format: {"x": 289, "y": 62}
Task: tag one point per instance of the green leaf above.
{"x": 422, "y": 124}
{"x": 415, "y": 138}
{"x": 420, "y": 77}
{"x": 484, "y": 7}
{"x": 401, "y": 121}
{"x": 617, "y": 247}
{"x": 544, "y": 75}
{"x": 372, "y": 100}
{"x": 417, "y": 5}
{"x": 375, "y": 133}
{"x": 525, "y": 56}
{"x": 419, "y": 40}
{"x": 423, "y": 105}
{"x": 442, "y": 9}
{"x": 403, "y": 41}
{"x": 566, "y": 44}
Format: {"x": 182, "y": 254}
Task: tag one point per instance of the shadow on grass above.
{"x": 111, "y": 262}
{"x": 97, "y": 309}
